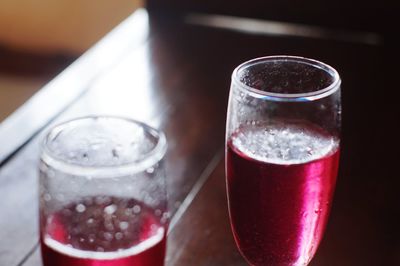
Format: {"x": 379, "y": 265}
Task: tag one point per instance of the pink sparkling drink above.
{"x": 282, "y": 157}
{"x": 279, "y": 198}
{"x": 104, "y": 231}
{"x": 103, "y": 199}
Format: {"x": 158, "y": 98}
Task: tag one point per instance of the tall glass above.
{"x": 282, "y": 155}
{"x": 103, "y": 198}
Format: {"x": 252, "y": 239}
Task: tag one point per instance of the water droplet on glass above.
{"x": 123, "y": 225}
{"x": 80, "y": 208}
{"x": 91, "y": 238}
{"x": 119, "y": 236}
{"x": 136, "y": 209}
{"x": 110, "y": 209}
{"x": 150, "y": 170}
{"x": 108, "y": 236}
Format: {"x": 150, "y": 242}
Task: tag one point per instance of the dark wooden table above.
{"x": 174, "y": 73}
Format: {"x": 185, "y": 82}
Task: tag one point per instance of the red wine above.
{"x": 104, "y": 231}
{"x": 280, "y": 182}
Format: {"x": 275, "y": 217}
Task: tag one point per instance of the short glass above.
{"x": 103, "y": 198}
{"x": 282, "y": 156}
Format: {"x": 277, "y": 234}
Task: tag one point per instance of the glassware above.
{"x": 103, "y": 197}
{"x": 282, "y": 155}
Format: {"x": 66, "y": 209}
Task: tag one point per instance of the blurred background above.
{"x": 38, "y": 39}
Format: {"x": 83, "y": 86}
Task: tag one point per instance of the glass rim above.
{"x": 288, "y": 97}
{"x": 150, "y": 158}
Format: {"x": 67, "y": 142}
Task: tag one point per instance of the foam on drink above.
{"x": 284, "y": 143}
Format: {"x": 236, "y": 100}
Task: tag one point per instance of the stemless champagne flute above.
{"x": 103, "y": 198}
{"x": 282, "y": 154}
